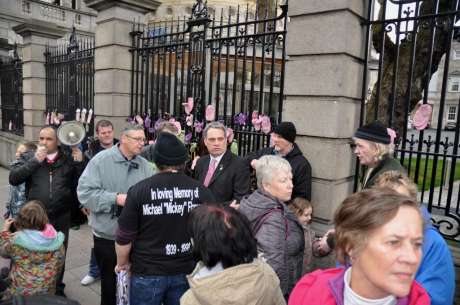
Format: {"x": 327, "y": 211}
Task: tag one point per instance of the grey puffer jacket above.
{"x": 295, "y": 249}
{"x": 267, "y": 216}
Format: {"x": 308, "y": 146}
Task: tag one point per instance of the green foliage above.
{"x": 428, "y": 164}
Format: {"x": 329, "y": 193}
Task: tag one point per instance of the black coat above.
{"x": 301, "y": 169}
{"x": 230, "y": 180}
{"x": 53, "y": 184}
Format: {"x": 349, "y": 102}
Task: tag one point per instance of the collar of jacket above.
{"x": 60, "y": 159}
{"x": 294, "y": 152}
{"x": 337, "y": 286}
{"x": 278, "y": 202}
{"x": 119, "y": 157}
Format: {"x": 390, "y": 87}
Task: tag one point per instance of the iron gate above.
{"x": 70, "y": 78}
{"x": 412, "y": 59}
{"x": 235, "y": 63}
{"x": 11, "y": 94}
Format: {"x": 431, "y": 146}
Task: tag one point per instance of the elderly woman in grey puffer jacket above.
{"x": 268, "y": 215}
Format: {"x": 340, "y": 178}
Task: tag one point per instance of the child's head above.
{"x": 20, "y": 150}
{"x": 398, "y": 182}
{"x": 23, "y": 147}
{"x": 302, "y": 208}
{"x": 32, "y": 216}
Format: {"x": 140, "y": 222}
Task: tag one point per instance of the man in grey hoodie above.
{"x": 102, "y": 189}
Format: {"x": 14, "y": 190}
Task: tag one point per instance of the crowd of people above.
{"x": 197, "y": 232}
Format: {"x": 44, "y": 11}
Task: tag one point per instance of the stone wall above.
{"x": 8, "y": 144}
{"x": 325, "y": 45}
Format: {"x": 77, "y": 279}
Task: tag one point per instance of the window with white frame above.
{"x": 454, "y": 84}
{"x": 452, "y": 113}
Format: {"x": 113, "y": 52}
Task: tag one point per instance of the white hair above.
{"x": 267, "y": 167}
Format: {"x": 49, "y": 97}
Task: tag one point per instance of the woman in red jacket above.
{"x": 379, "y": 234}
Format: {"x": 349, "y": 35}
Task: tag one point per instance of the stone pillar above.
{"x": 325, "y": 48}
{"x": 112, "y": 61}
{"x": 36, "y": 35}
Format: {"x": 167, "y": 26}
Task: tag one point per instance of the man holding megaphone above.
{"x": 52, "y": 177}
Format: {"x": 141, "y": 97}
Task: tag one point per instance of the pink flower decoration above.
{"x": 266, "y": 124}
{"x": 77, "y": 116}
{"x": 256, "y": 123}
{"x": 147, "y": 122}
{"x": 392, "y": 135}
{"x": 139, "y": 120}
{"x": 422, "y": 116}
{"x": 198, "y": 126}
{"x": 189, "y": 120}
{"x": 177, "y": 124}
{"x": 188, "y": 138}
{"x": 255, "y": 120}
{"x": 188, "y": 106}
{"x": 210, "y": 113}
{"x": 230, "y": 135}
{"x": 53, "y": 117}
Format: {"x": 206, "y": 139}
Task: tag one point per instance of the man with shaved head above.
{"x": 51, "y": 176}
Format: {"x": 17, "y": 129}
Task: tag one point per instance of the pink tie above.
{"x": 211, "y": 170}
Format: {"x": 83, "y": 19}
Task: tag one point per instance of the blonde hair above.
{"x": 395, "y": 179}
{"x": 299, "y": 204}
{"x": 381, "y": 150}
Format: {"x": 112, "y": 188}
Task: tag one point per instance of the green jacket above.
{"x": 387, "y": 164}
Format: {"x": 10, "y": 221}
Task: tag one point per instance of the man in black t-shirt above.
{"x": 152, "y": 238}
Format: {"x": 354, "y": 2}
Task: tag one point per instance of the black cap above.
{"x": 169, "y": 150}
{"x": 374, "y": 132}
{"x": 286, "y": 130}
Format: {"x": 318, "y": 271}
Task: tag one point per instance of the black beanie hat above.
{"x": 286, "y": 130}
{"x": 169, "y": 150}
{"x": 374, "y": 132}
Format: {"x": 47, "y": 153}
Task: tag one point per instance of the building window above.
{"x": 454, "y": 85}
{"x": 169, "y": 10}
{"x": 452, "y": 113}
{"x": 26, "y": 7}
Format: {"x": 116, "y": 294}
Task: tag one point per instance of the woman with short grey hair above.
{"x": 278, "y": 233}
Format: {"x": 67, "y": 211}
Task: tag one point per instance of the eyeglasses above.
{"x": 138, "y": 140}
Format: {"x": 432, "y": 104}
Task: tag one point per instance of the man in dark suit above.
{"x": 225, "y": 174}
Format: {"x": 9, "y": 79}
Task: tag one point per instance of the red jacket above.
{"x": 326, "y": 287}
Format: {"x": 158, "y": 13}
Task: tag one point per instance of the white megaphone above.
{"x": 71, "y": 133}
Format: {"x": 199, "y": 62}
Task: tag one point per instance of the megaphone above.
{"x": 71, "y": 133}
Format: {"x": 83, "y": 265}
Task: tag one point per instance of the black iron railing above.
{"x": 408, "y": 43}
{"x": 235, "y": 63}
{"x": 70, "y": 78}
{"x": 11, "y": 94}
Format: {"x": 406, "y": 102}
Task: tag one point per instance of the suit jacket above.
{"x": 230, "y": 180}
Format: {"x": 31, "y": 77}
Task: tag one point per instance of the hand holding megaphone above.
{"x": 41, "y": 153}
{"x": 77, "y": 155}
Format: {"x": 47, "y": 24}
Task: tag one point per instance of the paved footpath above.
{"x": 77, "y": 260}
